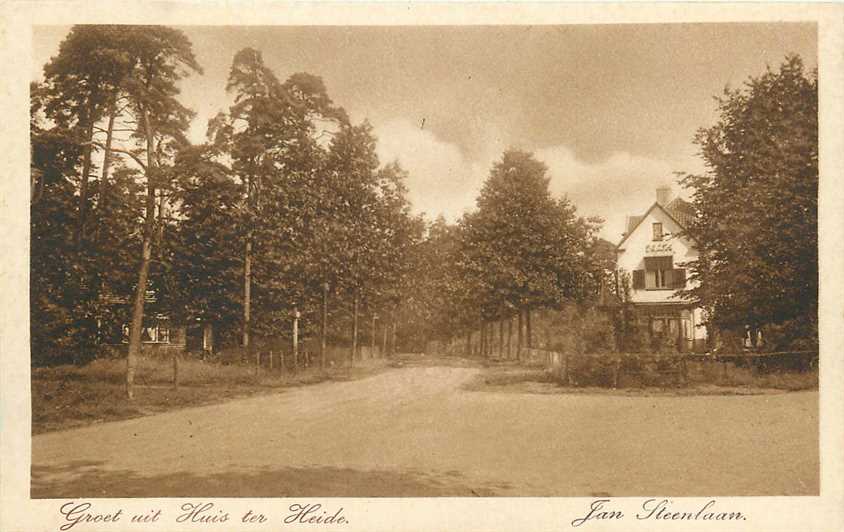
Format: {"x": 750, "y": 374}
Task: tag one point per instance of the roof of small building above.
{"x": 678, "y": 209}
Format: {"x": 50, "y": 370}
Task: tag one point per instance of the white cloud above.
{"x": 444, "y": 181}
{"x": 620, "y": 185}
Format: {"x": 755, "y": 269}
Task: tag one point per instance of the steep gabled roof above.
{"x": 632, "y": 222}
{"x": 681, "y": 209}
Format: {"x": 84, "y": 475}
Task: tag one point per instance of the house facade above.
{"x": 654, "y": 252}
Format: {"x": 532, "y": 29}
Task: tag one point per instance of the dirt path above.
{"x": 414, "y": 432}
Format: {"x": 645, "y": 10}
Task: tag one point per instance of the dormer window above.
{"x": 657, "y": 231}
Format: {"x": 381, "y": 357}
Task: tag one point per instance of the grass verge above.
{"x": 70, "y": 396}
{"x": 738, "y": 381}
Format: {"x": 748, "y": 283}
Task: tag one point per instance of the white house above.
{"x": 654, "y": 253}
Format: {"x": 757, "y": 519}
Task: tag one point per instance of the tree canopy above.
{"x": 756, "y": 207}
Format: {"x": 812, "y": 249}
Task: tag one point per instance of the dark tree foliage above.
{"x": 523, "y": 247}
{"x": 520, "y": 249}
{"x": 206, "y": 243}
{"x": 756, "y": 205}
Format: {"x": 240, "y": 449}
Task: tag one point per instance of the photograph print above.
{"x": 424, "y": 261}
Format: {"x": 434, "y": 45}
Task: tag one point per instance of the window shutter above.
{"x": 668, "y": 280}
{"x": 638, "y": 279}
{"x": 679, "y": 278}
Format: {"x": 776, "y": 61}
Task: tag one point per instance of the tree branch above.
{"x": 118, "y": 150}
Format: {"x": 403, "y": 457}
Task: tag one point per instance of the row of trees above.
{"x": 519, "y": 250}
{"x": 285, "y": 208}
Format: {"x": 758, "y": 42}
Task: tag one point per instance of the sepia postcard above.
{"x": 422, "y": 266}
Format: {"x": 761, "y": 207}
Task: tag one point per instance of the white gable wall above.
{"x": 632, "y": 254}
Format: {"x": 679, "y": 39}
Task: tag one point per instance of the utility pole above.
{"x": 296, "y": 317}
{"x": 500, "y": 338}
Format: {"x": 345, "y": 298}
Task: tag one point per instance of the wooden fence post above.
{"x": 271, "y": 360}
{"x": 175, "y": 370}
{"x": 372, "y": 337}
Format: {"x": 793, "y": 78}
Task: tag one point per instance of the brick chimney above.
{"x": 663, "y": 195}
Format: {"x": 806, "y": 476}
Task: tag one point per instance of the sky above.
{"x": 611, "y": 109}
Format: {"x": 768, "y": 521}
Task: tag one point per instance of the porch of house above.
{"x": 677, "y": 323}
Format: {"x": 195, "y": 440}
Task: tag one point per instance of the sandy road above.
{"x": 415, "y": 432}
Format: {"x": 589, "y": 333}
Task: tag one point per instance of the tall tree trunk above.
{"x": 102, "y": 193}
{"x": 483, "y": 339}
{"x": 372, "y": 338}
{"x": 469, "y": 343}
{"x": 137, "y": 324}
{"x": 488, "y": 338}
{"x": 162, "y": 212}
{"x": 393, "y": 340}
{"x": 385, "y": 326}
{"x": 509, "y": 335}
{"x": 519, "y": 340}
{"x": 159, "y": 243}
{"x": 102, "y": 188}
{"x": 501, "y": 338}
{"x": 247, "y": 290}
{"x": 528, "y": 334}
{"x": 83, "y": 187}
{"x": 354, "y": 330}
{"x": 491, "y": 338}
{"x": 324, "y": 329}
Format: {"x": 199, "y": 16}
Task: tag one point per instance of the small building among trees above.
{"x": 652, "y": 261}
